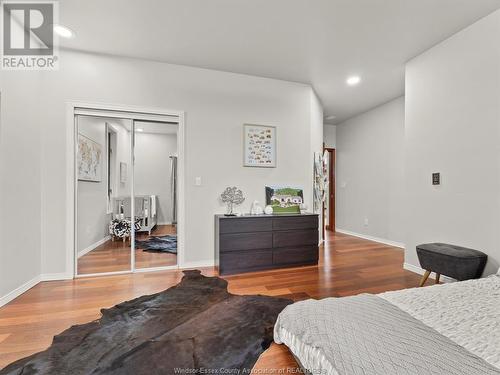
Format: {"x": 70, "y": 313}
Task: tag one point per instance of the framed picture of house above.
{"x": 259, "y": 146}
{"x": 284, "y": 199}
{"x": 89, "y": 159}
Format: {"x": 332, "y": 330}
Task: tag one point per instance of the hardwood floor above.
{"x": 348, "y": 265}
{"x": 115, "y": 256}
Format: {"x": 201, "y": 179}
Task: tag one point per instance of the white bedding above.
{"x": 467, "y": 313}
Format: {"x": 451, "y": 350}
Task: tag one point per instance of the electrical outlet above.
{"x": 366, "y": 222}
{"x": 197, "y": 181}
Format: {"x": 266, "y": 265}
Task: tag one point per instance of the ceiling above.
{"x": 319, "y": 42}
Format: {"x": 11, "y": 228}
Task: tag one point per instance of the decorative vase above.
{"x": 268, "y": 210}
{"x": 256, "y": 209}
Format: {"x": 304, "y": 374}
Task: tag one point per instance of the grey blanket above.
{"x": 365, "y": 334}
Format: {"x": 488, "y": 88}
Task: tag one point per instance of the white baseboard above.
{"x": 198, "y": 264}
{"x": 20, "y": 290}
{"x": 165, "y": 223}
{"x": 421, "y": 271}
{"x": 55, "y": 276}
{"x": 88, "y": 249}
{"x": 371, "y": 238}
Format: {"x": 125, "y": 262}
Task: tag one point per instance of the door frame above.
{"x": 71, "y": 181}
{"x": 331, "y": 188}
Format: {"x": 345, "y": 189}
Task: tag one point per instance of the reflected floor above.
{"x": 115, "y": 256}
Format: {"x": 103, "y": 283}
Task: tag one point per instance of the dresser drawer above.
{"x": 295, "y": 255}
{"x": 292, "y": 223}
{"x": 242, "y": 225}
{"x": 245, "y": 261}
{"x": 295, "y": 238}
{"x": 245, "y": 241}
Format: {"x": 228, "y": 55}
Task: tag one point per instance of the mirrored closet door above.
{"x": 103, "y": 191}
{"x": 155, "y": 187}
{"x": 125, "y": 194}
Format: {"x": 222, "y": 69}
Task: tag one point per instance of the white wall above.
{"x": 369, "y": 179}
{"x": 330, "y": 135}
{"x": 20, "y": 181}
{"x": 217, "y": 104}
{"x": 453, "y": 127}
{"x": 153, "y": 170}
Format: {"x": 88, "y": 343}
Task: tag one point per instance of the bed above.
{"x": 443, "y": 329}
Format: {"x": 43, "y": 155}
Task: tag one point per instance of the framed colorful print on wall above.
{"x": 89, "y": 159}
{"x": 259, "y": 146}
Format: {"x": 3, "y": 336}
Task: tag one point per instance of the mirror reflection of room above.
{"x": 103, "y": 162}
{"x": 105, "y": 224}
{"x": 155, "y": 189}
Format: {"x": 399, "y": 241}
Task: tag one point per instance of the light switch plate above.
{"x": 197, "y": 181}
{"x": 436, "y": 178}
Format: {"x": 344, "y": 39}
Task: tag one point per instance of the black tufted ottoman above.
{"x": 454, "y": 261}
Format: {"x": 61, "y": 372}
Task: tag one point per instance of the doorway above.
{"x": 329, "y": 205}
{"x": 128, "y": 171}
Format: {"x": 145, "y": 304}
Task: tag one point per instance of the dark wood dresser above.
{"x": 252, "y": 243}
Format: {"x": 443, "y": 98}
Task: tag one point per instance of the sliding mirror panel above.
{"x": 103, "y": 195}
{"x": 155, "y": 190}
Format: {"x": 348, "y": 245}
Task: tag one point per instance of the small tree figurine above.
{"x": 232, "y": 196}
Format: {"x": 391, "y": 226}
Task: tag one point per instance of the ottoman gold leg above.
{"x": 437, "y": 277}
{"x": 425, "y": 277}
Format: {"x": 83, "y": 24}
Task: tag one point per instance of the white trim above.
{"x": 124, "y": 108}
{"x": 20, "y": 290}
{"x": 137, "y": 115}
{"x": 371, "y": 238}
{"x": 71, "y": 259}
{"x": 93, "y": 246}
{"x": 71, "y": 185}
{"x": 156, "y": 269}
{"x": 181, "y": 186}
{"x": 113, "y": 273}
{"x": 421, "y": 271}
{"x": 31, "y": 283}
{"x": 199, "y": 264}
{"x": 132, "y": 194}
{"x": 56, "y": 276}
{"x": 165, "y": 223}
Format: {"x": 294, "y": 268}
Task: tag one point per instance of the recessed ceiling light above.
{"x": 63, "y": 31}
{"x": 139, "y": 130}
{"x": 353, "y": 80}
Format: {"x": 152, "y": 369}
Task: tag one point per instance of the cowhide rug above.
{"x": 190, "y": 328}
{"x": 165, "y": 244}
